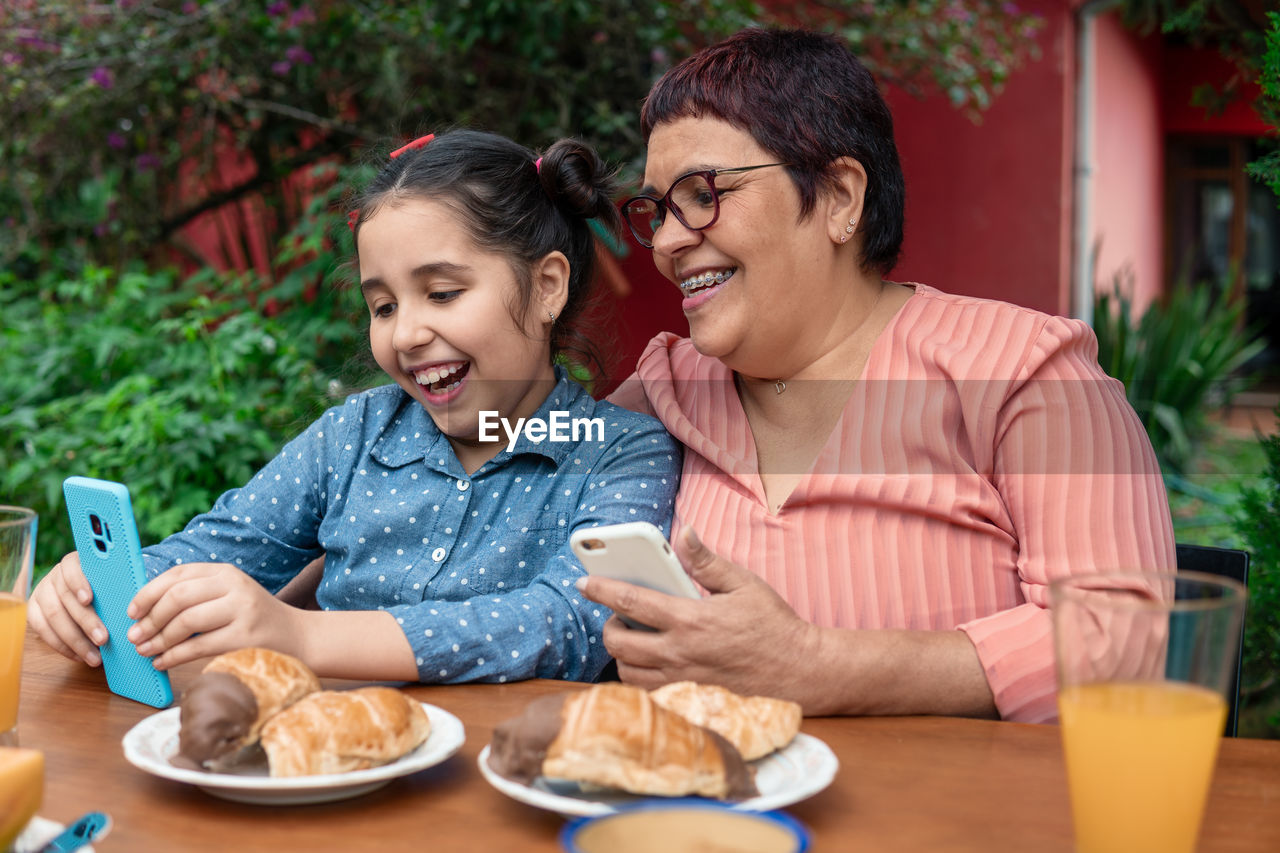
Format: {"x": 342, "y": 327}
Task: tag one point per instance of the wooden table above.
{"x": 907, "y": 783}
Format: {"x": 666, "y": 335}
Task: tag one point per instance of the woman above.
{"x": 886, "y": 477}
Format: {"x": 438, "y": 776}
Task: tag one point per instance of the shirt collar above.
{"x": 412, "y": 435}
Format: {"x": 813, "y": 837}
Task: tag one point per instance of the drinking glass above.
{"x": 17, "y": 557}
{"x": 1144, "y": 665}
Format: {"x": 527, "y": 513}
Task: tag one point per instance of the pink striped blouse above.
{"x": 982, "y": 454}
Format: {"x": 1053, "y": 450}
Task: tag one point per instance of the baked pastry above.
{"x": 756, "y": 725}
{"x": 224, "y": 710}
{"x": 338, "y": 731}
{"x": 615, "y": 736}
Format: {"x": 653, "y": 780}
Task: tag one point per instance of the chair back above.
{"x": 1228, "y": 563}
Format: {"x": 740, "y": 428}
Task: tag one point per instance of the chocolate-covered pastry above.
{"x": 616, "y": 736}
{"x": 224, "y": 710}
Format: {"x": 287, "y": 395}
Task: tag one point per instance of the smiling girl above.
{"x": 446, "y": 553}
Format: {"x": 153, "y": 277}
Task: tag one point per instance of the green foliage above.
{"x": 963, "y": 50}
{"x": 1241, "y": 35}
{"x": 117, "y": 376}
{"x": 1203, "y": 500}
{"x": 1177, "y": 361}
{"x": 1258, "y": 524}
{"x": 116, "y": 113}
{"x": 1267, "y": 169}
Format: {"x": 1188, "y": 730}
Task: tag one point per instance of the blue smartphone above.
{"x": 111, "y": 558}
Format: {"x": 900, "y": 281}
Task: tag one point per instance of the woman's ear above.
{"x": 550, "y": 286}
{"x": 843, "y": 203}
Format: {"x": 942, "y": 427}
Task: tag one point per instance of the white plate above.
{"x": 39, "y": 832}
{"x": 804, "y": 768}
{"x": 151, "y": 743}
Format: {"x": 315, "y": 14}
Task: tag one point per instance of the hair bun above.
{"x": 579, "y": 183}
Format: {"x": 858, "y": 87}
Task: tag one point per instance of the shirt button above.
{"x": 437, "y": 554}
{"x": 462, "y": 485}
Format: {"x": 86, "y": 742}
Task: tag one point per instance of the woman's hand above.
{"x": 201, "y": 609}
{"x": 742, "y": 635}
{"x": 61, "y": 612}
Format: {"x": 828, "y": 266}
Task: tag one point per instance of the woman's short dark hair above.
{"x": 807, "y": 100}
{"x": 511, "y": 205}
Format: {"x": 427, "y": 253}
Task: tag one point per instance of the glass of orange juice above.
{"x": 17, "y": 557}
{"x": 1145, "y": 664}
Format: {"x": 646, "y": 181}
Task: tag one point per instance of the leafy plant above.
{"x": 1258, "y": 525}
{"x": 1267, "y": 168}
{"x": 1241, "y": 35}
{"x": 117, "y": 376}
{"x": 1177, "y": 361}
{"x": 125, "y": 121}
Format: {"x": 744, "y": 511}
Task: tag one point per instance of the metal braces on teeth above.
{"x": 704, "y": 279}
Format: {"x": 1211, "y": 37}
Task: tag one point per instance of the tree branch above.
{"x": 259, "y": 181}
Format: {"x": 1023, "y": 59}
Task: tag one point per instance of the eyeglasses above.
{"x": 693, "y": 198}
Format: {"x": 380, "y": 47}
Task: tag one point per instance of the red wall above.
{"x": 988, "y": 204}
{"x": 1182, "y": 70}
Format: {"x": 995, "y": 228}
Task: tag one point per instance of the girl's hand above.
{"x": 200, "y": 609}
{"x": 61, "y": 612}
{"x": 742, "y": 636}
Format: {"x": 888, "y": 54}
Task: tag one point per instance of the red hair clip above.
{"x": 415, "y": 144}
{"x": 352, "y": 218}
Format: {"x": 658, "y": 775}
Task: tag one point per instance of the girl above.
{"x": 444, "y": 532}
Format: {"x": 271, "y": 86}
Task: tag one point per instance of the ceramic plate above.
{"x": 151, "y": 743}
{"x": 40, "y": 832}
{"x": 801, "y": 770}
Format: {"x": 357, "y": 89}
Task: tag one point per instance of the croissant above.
{"x": 616, "y": 736}
{"x": 339, "y": 731}
{"x": 756, "y": 725}
{"x": 224, "y": 710}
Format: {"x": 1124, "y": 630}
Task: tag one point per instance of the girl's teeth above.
{"x": 434, "y": 375}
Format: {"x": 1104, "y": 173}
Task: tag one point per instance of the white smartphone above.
{"x": 635, "y": 552}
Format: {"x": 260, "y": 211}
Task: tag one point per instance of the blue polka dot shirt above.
{"x": 476, "y": 569}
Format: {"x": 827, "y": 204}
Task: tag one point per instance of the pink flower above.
{"x": 304, "y": 15}
{"x": 190, "y": 7}
{"x": 277, "y": 9}
{"x": 102, "y": 76}
{"x": 146, "y": 162}
{"x": 281, "y": 68}
{"x": 115, "y": 140}
{"x": 298, "y": 55}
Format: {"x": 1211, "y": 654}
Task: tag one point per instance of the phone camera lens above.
{"x": 95, "y": 523}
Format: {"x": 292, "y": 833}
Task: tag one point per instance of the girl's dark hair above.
{"x": 807, "y": 100}
{"x": 513, "y": 207}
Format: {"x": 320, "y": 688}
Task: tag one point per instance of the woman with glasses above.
{"x": 880, "y": 479}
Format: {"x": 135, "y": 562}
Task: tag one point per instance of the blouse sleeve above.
{"x": 1077, "y": 473}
